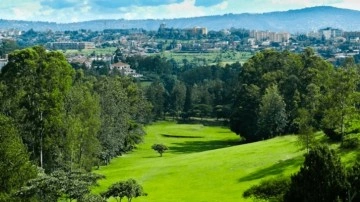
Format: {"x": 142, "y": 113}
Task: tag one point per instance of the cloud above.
{"x": 59, "y": 4}
{"x": 130, "y": 3}
{"x": 83, "y": 10}
{"x": 208, "y": 3}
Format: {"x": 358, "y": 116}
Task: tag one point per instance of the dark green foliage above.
{"x": 350, "y": 143}
{"x": 160, "y": 148}
{"x": 91, "y": 198}
{"x": 321, "y": 178}
{"x": 306, "y": 134}
{"x": 340, "y": 102}
{"x": 270, "y": 190}
{"x": 353, "y": 177}
{"x": 36, "y": 83}
{"x": 82, "y": 110}
{"x": 68, "y": 121}
{"x": 59, "y": 184}
{"x": 123, "y": 109}
{"x": 15, "y": 167}
{"x": 272, "y": 115}
{"x": 156, "y": 96}
{"x": 301, "y": 79}
{"x": 7, "y": 46}
{"x": 129, "y": 189}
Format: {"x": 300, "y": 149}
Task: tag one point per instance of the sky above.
{"x": 65, "y": 11}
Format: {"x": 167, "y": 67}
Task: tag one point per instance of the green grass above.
{"x": 223, "y": 58}
{"x": 88, "y": 52}
{"x": 203, "y": 164}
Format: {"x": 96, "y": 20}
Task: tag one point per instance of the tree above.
{"x": 129, "y": 189}
{"x": 272, "y": 115}
{"x": 36, "y": 83}
{"x": 91, "y": 198}
{"x": 15, "y": 166}
{"x": 340, "y": 102}
{"x": 160, "y": 148}
{"x": 155, "y": 93}
{"x": 123, "y": 110}
{"x": 115, "y": 117}
{"x": 116, "y": 190}
{"x": 177, "y": 98}
{"x": 7, "y": 46}
{"x": 353, "y": 177}
{"x": 306, "y": 131}
{"x": 59, "y": 184}
{"x": 82, "y": 110}
{"x": 321, "y": 178}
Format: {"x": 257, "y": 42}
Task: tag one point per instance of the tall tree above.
{"x": 177, "y": 98}
{"x": 340, "y": 102}
{"x": 36, "y": 84}
{"x": 272, "y": 115}
{"x": 15, "y": 166}
{"x": 155, "y": 93}
{"x": 83, "y": 124}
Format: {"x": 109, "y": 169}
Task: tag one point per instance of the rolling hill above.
{"x": 301, "y": 20}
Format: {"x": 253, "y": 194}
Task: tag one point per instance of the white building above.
{"x": 125, "y": 69}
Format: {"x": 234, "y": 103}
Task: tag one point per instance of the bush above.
{"x": 270, "y": 190}
{"x": 129, "y": 189}
{"x": 350, "y": 143}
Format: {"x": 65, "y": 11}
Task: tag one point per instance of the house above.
{"x": 125, "y": 69}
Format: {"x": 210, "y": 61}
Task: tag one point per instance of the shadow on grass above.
{"x": 181, "y": 136}
{"x": 275, "y": 169}
{"x": 200, "y": 146}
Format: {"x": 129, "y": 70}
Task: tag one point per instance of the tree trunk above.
{"x": 41, "y": 150}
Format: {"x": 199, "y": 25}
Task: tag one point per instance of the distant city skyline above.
{"x": 65, "y": 11}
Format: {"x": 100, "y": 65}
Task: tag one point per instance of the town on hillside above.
{"x": 86, "y": 46}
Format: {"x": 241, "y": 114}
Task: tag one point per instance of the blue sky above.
{"x": 82, "y": 10}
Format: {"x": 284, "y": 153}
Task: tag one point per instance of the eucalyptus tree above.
{"x": 36, "y": 82}
{"x": 82, "y": 109}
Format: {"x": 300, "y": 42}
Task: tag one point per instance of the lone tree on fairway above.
{"x": 160, "y": 148}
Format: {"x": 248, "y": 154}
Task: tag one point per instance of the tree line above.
{"x": 282, "y": 92}
{"x": 60, "y": 119}
{"x": 271, "y": 94}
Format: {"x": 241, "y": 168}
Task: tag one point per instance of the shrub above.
{"x": 270, "y": 190}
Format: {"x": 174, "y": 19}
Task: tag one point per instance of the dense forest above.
{"x": 58, "y": 121}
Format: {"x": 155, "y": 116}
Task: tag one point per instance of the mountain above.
{"x": 301, "y": 20}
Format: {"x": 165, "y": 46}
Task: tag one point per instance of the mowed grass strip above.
{"x": 203, "y": 163}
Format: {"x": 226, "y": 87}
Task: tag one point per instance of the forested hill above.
{"x": 302, "y": 20}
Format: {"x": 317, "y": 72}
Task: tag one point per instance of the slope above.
{"x": 203, "y": 164}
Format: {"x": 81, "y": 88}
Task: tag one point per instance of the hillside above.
{"x": 301, "y": 20}
{"x": 203, "y": 164}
